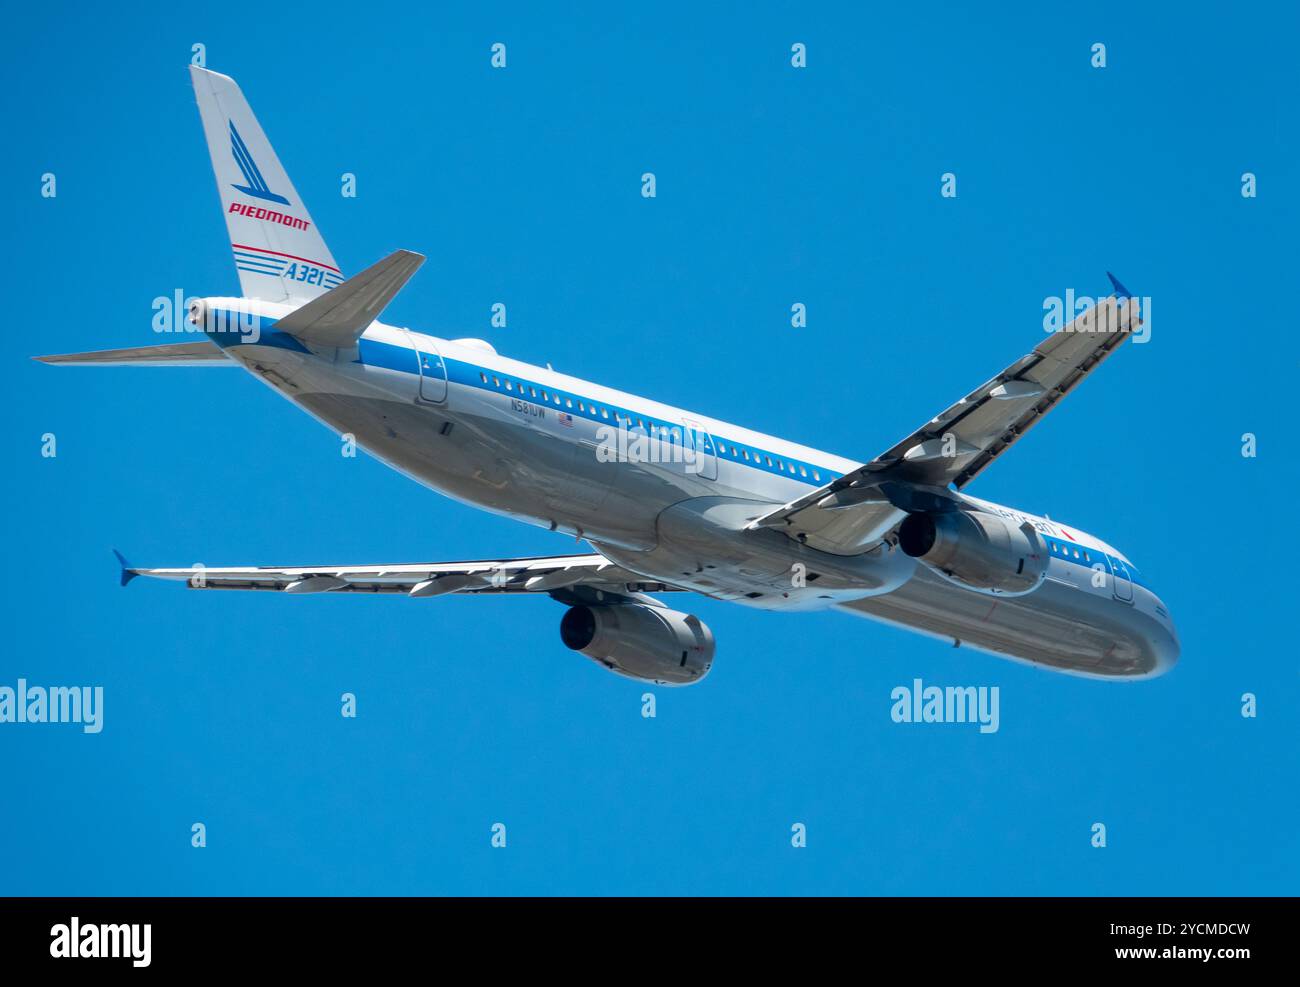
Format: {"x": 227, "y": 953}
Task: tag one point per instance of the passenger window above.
{"x": 747, "y": 455}
{"x": 816, "y": 475}
{"x": 496, "y": 381}
{"x": 483, "y": 376}
{"x": 509, "y": 386}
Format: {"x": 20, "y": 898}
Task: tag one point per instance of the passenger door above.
{"x": 703, "y": 446}
{"x": 1121, "y": 579}
{"x": 433, "y": 370}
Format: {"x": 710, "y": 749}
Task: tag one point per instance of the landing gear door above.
{"x": 704, "y": 448}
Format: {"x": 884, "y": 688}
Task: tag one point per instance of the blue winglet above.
{"x": 1120, "y": 290}
{"x": 127, "y": 573}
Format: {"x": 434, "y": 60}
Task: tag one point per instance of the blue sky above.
{"x": 775, "y": 185}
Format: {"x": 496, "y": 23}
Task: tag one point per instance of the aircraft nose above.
{"x": 1167, "y": 651}
{"x": 1162, "y": 641}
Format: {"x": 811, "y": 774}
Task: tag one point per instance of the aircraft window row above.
{"x": 1066, "y": 551}
{"x": 548, "y": 397}
{"x": 794, "y": 468}
{"x": 672, "y": 434}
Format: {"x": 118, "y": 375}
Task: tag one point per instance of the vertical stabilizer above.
{"x": 279, "y": 252}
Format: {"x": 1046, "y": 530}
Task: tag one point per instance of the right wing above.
{"x": 567, "y": 577}
{"x": 851, "y": 513}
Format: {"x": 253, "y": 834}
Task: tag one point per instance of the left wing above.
{"x": 564, "y": 576}
{"x": 851, "y": 513}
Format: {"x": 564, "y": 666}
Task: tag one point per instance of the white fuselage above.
{"x": 672, "y": 496}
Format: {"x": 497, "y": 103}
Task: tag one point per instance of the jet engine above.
{"x": 976, "y": 550}
{"x": 652, "y": 644}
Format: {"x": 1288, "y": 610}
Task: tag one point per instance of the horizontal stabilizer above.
{"x": 199, "y": 354}
{"x": 341, "y": 315}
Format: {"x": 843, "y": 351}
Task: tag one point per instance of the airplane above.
{"x": 670, "y": 501}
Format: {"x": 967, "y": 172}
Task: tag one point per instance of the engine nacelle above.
{"x": 978, "y": 551}
{"x": 652, "y": 644}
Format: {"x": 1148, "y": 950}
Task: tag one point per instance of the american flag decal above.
{"x": 566, "y": 420}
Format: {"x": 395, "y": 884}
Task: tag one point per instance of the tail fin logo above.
{"x": 256, "y": 183}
